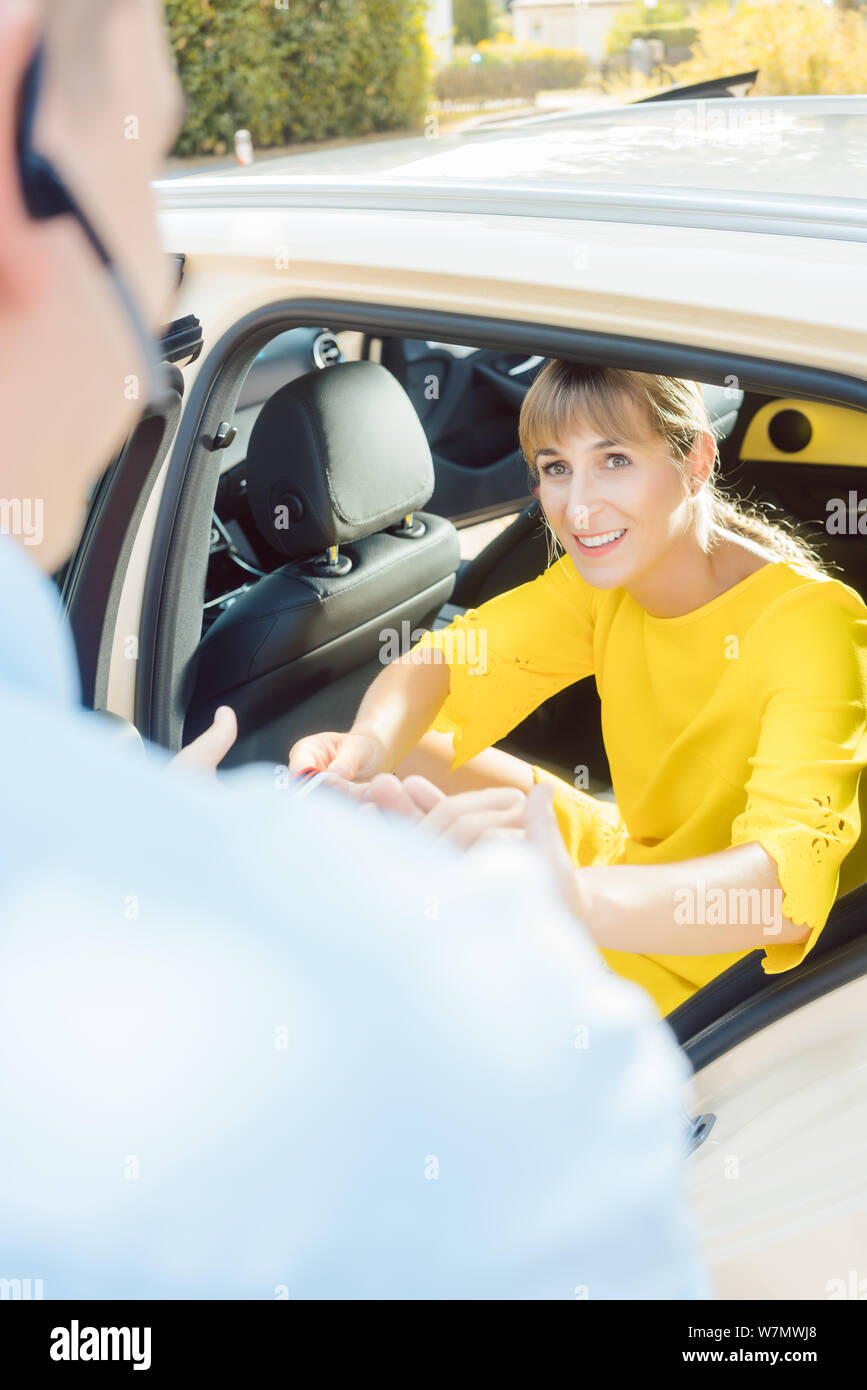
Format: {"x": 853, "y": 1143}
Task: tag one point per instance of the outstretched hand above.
{"x": 351, "y": 757}
{"x": 543, "y": 833}
{"x": 481, "y": 817}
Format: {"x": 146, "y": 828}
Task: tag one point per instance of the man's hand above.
{"x": 471, "y": 818}
{"x": 464, "y": 819}
{"x": 543, "y": 833}
{"x": 210, "y": 748}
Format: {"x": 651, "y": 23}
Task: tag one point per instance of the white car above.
{"x": 399, "y": 313}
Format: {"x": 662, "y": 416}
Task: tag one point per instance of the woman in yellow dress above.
{"x": 731, "y": 670}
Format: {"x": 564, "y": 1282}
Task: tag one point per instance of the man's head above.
{"x": 70, "y": 365}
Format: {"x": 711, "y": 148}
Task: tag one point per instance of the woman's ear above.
{"x": 702, "y": 458}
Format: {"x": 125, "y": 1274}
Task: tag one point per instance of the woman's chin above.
{"x": 601, "y": 581}
{"x": 604, "y": 572}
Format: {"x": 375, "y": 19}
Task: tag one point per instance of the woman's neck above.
{"x": 690, "y": 577}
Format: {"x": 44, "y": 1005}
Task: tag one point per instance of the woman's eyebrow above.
{"x": 597, "y": 444}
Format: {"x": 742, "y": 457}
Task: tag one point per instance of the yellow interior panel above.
{"x": 839, "y": 435}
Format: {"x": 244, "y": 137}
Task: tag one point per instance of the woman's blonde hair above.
{"x": 623, "y": 405}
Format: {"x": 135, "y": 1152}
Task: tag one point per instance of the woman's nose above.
{"x": 580, "y": 510}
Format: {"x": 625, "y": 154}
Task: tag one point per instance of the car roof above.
{"x": 791, "y": 165}
{"x": 759, "y": 145}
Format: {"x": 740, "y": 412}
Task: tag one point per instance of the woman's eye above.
{"x": 619, "y": 460}
{"x": 551, "y": 469}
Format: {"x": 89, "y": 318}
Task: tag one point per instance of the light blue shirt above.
{"x": 261, "y": 1047}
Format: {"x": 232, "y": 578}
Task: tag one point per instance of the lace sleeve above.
{"x": 803, "y": 791}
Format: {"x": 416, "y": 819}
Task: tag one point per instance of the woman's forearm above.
{"x": 720, "y": 903}
{"x": 401, "y": 704}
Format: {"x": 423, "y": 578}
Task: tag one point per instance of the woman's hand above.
{"x": 353, "y": 757}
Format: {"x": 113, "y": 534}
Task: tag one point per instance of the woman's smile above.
{"x": 600, "y": 542}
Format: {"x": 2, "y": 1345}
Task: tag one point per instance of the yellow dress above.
{"x": 741, "y": 721}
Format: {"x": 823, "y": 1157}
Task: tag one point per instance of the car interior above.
{"x": 262, "y": 646}
{"x": 394, "y": 464}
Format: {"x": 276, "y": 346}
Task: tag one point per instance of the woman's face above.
{"x": 617, "y": 509}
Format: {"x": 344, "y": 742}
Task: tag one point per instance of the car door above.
{"x": 91, "y": 582}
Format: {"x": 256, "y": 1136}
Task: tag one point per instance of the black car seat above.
{"x": 337, "y": 468}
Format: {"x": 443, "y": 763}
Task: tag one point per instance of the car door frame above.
{"x": 168, "y": 633}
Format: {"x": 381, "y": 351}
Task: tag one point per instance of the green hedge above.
{"x": 306, "y": 71}
{"x": 672, "y": 35}
{"x": 667, "y": 20}
{"x": 523, "y": 75}
{"x": 473, "y": 20}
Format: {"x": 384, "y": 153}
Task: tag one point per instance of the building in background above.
{"x": 440, "y": 29}
{"x": 580, "y": 24}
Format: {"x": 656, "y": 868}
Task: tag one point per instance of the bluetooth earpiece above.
{"x": 47, "y": 195}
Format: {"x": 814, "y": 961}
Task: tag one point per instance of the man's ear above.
{"x": 22, "y": 255}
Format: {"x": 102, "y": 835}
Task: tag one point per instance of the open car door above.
{"x": 92, "y": 581}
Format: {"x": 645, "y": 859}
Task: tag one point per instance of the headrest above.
{"x": 335, "y": 456}
{"x": 723, "y": 404}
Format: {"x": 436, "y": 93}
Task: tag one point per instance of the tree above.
{"x": 473, "y": 20}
